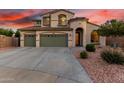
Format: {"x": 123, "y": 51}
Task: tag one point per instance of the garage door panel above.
{"x": 53, "y": 40}
{"x": 30, "y": 40}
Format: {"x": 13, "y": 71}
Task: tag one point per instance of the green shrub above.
{"x": 6, "y": 32}
{"x": 83, "y": 54}
{"x": 90, "y": 47}
{"x": 17, "y": 34}
{"x": 112, "y": 57}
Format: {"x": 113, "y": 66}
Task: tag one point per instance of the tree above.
{"x": 10, "y": 32}
{"x": 6, "y": 32}
{"x": 113, "y": 28}
{"x": 2, "y": 31}
{"x": 17, "y": 34}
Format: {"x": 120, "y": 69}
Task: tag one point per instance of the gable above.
{"x": 62, "y": 12}
{"x": 55, "y": 15}
{"x": 56, "y": 11}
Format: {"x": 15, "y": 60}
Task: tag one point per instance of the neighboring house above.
{"x": 59, "y": 28}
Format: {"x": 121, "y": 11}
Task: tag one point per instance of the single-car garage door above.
{"x": 30, "y": 40}
{"x": 53, "y": 40}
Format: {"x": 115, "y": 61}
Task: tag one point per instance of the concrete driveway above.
{"x": 46, "y": 65}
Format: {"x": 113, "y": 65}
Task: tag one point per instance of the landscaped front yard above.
{"x": 99, "y": 70}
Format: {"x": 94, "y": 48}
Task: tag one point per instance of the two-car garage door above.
{"x": 53, "y": 40}
{"x": 47, "y": 40}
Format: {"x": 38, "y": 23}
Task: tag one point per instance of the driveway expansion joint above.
{"x": 57, "y": 63}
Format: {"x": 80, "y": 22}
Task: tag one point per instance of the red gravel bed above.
{"x": 100, "y": 71}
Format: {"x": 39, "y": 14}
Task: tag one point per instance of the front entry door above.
{"x": 77, "y": 39}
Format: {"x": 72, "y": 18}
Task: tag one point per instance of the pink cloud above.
{"x": 101, "y": 16}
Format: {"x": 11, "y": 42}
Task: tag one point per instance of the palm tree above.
{"x": 113, "y": 28}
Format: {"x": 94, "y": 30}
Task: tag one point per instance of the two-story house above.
{"x": 59, "y": 28}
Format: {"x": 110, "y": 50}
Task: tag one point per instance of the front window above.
{"x": 94, "y": 37}
{"x": 46, "y": 21}
{"x": 62, "y": 19}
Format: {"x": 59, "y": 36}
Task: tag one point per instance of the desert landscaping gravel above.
{"x": 100, "y": 71}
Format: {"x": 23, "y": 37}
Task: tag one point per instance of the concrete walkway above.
{"x": 47, "y": 65}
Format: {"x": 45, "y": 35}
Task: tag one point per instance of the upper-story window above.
{"x": 62, "y": 19}
{"x": 38, "y": 23}
{"x": 46, "y": 21}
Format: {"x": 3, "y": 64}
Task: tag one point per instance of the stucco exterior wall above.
{"x": 90, "y": 29}
{"x": 79, "y": 24}
{"x": 54, "y": 18}
{"x": 102, "y": 41}
{"x": 74, "y": 23}
{"x": 87, "y": 30}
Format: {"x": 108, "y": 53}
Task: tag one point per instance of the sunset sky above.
{"x": 18, "y": 18}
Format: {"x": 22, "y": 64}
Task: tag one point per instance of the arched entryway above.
{"x": 79, "y": 37}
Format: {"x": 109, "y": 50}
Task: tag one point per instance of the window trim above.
{"x": 92, "y": 33}
{"x": 59, "y": 23}
{"x": 38, "y": 23}
{"x": 44, "y": 22}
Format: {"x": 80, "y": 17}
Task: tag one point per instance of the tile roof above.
{"x": 78, "y": 18}
{"x": 56, "y": 10}
{"x": 36, "y": 28}
{"x": 82, "y": 18}
{"x": 93, "y": 24}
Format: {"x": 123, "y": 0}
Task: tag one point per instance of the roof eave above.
{"x": 45, "y": 29}
{"x": 54, "y": 11}
{"x": 94, "y": 24}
